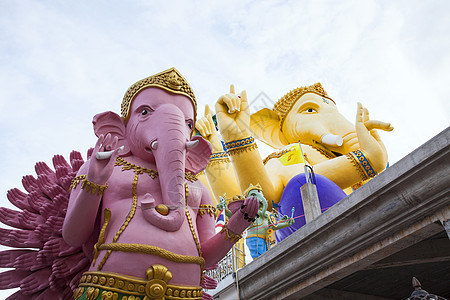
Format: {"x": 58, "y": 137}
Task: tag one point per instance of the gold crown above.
{"x": 252, "y": 187}
{"x": 284, "y": 105}
{"x": 170, "y": 80}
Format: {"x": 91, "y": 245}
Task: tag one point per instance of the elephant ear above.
{"x": 265, "y": 125}
{"x": 198, "y": 157}
{"x": 110, "y": 122}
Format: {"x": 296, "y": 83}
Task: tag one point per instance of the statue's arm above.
{"x": 87, "y": 190}
{"x": 219, "y": 172}
{"x": 81, "y": 213}
{"x": 233, "y": 116}
{"x": 364, "y": 163}
{"x": 215, "y": 246}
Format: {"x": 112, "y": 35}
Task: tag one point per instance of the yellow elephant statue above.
{"x": 347, "y": 154}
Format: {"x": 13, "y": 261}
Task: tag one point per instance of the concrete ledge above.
{"x": 400, "y": 207}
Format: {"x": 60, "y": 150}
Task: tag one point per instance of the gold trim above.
{"x": 155, "y": 287}
{"x": 263, "y": 236}
{"x": 190, "y": 176}
{"x": 153, "y": 250}
{"x": 101, "y": 237}
{"x": 241, "y": 150}
{"x": 170, "y": 80}
{"x": 137, "y": 169}
{"x": 285, "y": 103}
{"x": 152, "y": 173}
{"x": 191, "y": 226}
{"x": 355, "y": 162}
{"x": 276, "y": 154}
{"x": 217, "y": 161}
{"x": 252, "y": 187}
{"x": 206, "y": 208}
{"x": 127, "y": 220}
{"x": 148, "y": 249}
{"x": 88, "y": 185}
{"x": 230, "y": 235}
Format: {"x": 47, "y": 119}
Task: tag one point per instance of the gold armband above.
{"x": 218, "y": 158}
{"x": 88, "y": 185}
{"x": 229, "y": 235}
{"x": 239, "y": 146}
{"x": 362, "y": 164}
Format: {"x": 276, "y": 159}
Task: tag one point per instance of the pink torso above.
{"x": 119, "y": 199}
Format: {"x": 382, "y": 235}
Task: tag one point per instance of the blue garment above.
{"x": 329, "y": 194}
{"x": 256, "y": 245}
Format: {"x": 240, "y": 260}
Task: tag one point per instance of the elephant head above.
{"x": 307, "y": 115}
{"x": 155, "y": 128}
{"x": 256, "y": 191}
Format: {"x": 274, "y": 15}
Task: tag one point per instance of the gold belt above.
{"x": 263, "y": 236}
{"x": 156, "y": 287}
{"x": 154, "y": 250}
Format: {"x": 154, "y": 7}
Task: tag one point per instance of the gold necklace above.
{"x": 137, "y": 171}
{"x": 141, "y": 170}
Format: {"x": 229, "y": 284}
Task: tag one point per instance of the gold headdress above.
{"x": 170, "y": 80}
{"x": 284, "y": 105}
{"x": 252, "y": 187}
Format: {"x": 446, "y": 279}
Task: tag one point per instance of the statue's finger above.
{"x": 236, "y": 102}
{"x": 244, "y": 96}
{"x": 366, "y": 115}
{"x": 228, "y": 102}
{"x": 232, "y": 89}
{"x": 374, "y": 124}
{"x": 99, "y": 142}
{"x": 201, "y": 127}
{"x": 114, "y": 142}
{"x": 359, "y": 113}
{"x": 207, "y": 110}
{"x": 210, "y": 120}
{"x": 211, "y": 125}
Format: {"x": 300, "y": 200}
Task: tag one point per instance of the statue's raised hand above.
{"x": 101, "y": 164}
{"x": 233, "y": 115}
{"x": 369, "y": 140}
{"x": 244, "y": 216}
{"x": 205, "y": 125}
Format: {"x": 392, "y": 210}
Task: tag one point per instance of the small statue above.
{"x": 258, "y": 238}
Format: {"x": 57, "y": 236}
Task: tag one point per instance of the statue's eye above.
{"x": 144, "y": 112}
{"x": 190, "y": 124}
{"x": 310, "y": 110}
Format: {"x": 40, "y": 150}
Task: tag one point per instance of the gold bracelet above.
{"x": 229, "y": 235}
{"x": 362, "y": 164}
{"x": 350, "y": 156}
{"x": 217, "y": 161}
{"x": 88, "y": 185}
{"x": 239, "y": 146}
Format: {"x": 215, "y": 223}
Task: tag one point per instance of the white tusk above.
{"x": 332, "y": 140}
{"x": 106, "y": 154}
{"x": 155, "y": 145}
{"x": 191, "y": 144}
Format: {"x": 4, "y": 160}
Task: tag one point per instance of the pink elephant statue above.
{"x": 138, "y": 202}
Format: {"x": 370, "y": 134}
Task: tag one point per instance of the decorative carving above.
{"x": 170, "y": 80}
{"x": 285, "y": 103}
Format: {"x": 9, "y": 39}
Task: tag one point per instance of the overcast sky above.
{"x": 61, "y": 63}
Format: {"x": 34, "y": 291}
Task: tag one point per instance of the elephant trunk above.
{"x": 170, "y": 156}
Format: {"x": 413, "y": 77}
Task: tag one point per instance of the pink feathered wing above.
{"x": 45, "y": 266}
